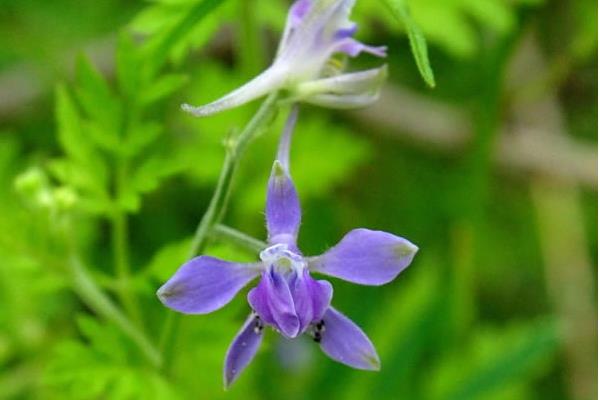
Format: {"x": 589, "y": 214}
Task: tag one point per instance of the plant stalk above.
{"x": 87, "y": 289}
{"x": 120, "y": 249}
{"x": 240, "y": 238}
{"x": 235, "y": 148}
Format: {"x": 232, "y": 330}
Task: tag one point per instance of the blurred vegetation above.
{"x": 103, "y": 181}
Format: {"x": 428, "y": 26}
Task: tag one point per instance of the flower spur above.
{"x": 315, "y": 30}
{"x": 287, "y": 297}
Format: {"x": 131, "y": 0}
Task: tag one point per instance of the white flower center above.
{"x": 282, "y": 259}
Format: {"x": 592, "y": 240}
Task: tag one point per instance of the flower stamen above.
{"x": 282, "y": 259}
{"x": 318, "y": 330}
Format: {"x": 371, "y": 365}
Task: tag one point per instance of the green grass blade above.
{"x": 418, "y": 44}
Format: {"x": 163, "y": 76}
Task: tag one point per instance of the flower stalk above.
{"x": 120, "y": 249}
{"x": 235, "y": 148}
{"x": 241, "y": 239}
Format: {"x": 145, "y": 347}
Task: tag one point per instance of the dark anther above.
{"x": 320, "y": 325}
{"x": 317, "y": 337}
{"x": 317, "y": 331}
{"x": 258, "y": 325}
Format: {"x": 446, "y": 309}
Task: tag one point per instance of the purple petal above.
{"x": 273, "y": 302}
{"x": 205, "y": 284}
{"x": 283, "y": 207}
{"x": 298, "y": 11}
{"x": 311, "y": 298}
{"x": 306, "y": 47}
{"x": 343, "y": 101}
{"x": 344, "y": 33}
{"x": 350, "y": 90}
{"x": 283, "y": 150}
{"x": 343, "y": 341}
{"x": 341, "y": 10}
{"x": 270, "y": 80}
{"x": 242, "y": 349}
{"x": 366, "y": 257}
{"x": 353, "y": 48}
{"x": 362, "y": 82}
{"x": 296, "y": 16}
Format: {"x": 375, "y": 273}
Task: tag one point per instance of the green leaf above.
{"x": 584, "y": 43}
{"x": 69, "y": 126}
{"x": 128, "y": 66}
{"x": 106, "y": 341}
{"x": 146, "y": 177}
{"x": 72, "y": 173}
{"x": 139, "y": 136}
{"x": 90, "y": 80}
{"x": 105, "y": 140}
{"x": 418, "y": 44}
{"x": 161, "y": 88}
{"x": 92, "y": 194}
{"x": 105, "y": 367}
{"x": 96, "y": 99}
{"x": 160, "y": 46}
{"x": 492, "y": 14}
{"x": 86, "y": 167}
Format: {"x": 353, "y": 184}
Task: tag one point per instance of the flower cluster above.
{"x": 287, "y": 297}
{"x": 315, "y": 30}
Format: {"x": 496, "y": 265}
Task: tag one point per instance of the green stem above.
{"x": 120, "y": 248}
{"x": 239, "y": 238}
{"x": 235, "y": 148}
{"x": 86, "y": 288}
{"x": 91, "y": 294}
{"x": 216, "y": 204}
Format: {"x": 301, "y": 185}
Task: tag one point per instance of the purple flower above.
{"x": 315, "y": 30}
{"x": 287, "y": 297}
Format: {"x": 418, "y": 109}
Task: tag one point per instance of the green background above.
{"x": 492, "y": 174}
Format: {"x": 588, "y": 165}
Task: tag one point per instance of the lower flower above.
{"x": 287, "y": 298}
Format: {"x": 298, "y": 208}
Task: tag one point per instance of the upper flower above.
{"x": 287, "y": 298}
{"x": 315, "y": 30}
